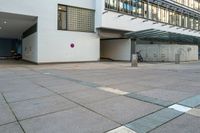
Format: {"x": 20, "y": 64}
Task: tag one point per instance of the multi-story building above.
{"x": 73, "y": 30}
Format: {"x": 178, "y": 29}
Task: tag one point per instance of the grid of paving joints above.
{"x": 139, "y": 97}
{"x": 82, "y": 105}
{"x": 90, "y": 84}
{"x": 19, "y": 128}
{"x": 111, "y": 90}
{"x": 105, "y": 122}
{"x": 34, "y": 122}
{"x": 157, "y": 119}
{"x": 11, "y": 128}
{"x": 42, "y": 106}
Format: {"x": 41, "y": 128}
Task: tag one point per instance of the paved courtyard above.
{"x": 99, "y": 97}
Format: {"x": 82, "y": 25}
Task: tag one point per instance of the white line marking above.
{"x": 112, "y": 90}
{"x": 122, "y": 129}
{"x": 180, "y": 108}
{"x": 47, "y": 73}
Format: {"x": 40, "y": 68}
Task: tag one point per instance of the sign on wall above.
{"x": 72, "y": 45}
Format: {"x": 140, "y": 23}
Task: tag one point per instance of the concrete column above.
{"x": 177, "y": 58}
{"x": 134, "y": 62}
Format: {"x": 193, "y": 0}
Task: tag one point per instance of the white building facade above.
{"x": 54, "y": 31}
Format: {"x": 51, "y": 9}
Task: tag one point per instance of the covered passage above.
{"x": 18, "y": 36}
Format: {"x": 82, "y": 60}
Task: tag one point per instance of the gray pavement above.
{"x": 66, "y": 98}
{"x": 182, "y": 124}
{"x": 122, "y": 109}
{"x": 77, "y": 120}
{"x": 11, "y": 128}
{"x": 6, "y": 114}
{"x": 37, "y": 107}
{"x": 167, "y": 95}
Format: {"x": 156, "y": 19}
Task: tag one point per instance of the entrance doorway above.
{"x": 14, "y": 28}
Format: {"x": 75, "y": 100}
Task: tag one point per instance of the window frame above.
{"x": 93, "y": 10}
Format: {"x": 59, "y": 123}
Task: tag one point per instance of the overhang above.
{"x": 164, "y": 36}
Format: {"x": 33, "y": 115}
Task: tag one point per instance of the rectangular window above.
{"x": 75, "y": 19}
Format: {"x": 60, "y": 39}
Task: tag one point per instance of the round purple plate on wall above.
{"x": 72, "y": 45}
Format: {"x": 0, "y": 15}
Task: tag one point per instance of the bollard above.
{"x": 134, "y": 62}
{"x": 177, "y": 59}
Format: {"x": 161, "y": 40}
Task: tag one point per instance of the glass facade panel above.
{"x": 157, "y": 12}
{"x": 194, "y": 4}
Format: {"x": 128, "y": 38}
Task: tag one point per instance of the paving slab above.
{"x": 68, "y": 88}
{"x": 65, "y": 80}
{"x": 42, "y": 79}
{"x": 6, "y": 115}
{"x": 183, "y": 85}
{"x": 78, "y": 81}
{"x": 78, "y": 120}
{"x": 154, "y": 120}
{"x": 10, "y": 85}
{"x": 20, "y": 71}
{"x": 53, "y": 81}
{"x": 123, "y": 109}
{"x": 150, "y": 99}
{"x": 191, "y": 102}
{"x": 40, "y": 106}
{"x": 34, "y": 76}
{"x": 183, "y": 124}
{"x": 151, "y": 83}
{"x": 26, "y": 93}
{"x": 88, "y": 96}
{"x": 11, "y": 128}
{"x": 166, "y": 95}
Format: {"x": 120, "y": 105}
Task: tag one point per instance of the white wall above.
{"x": 157, "y": 52}
{"x": 29, "y": 48}
{"x": 58, "y": 42}
{"x": 116, "y": 49}
{"x": 57, "y": 47}
{"x": 53, "y": 45}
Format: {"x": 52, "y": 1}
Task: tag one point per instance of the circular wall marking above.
{"x": 72, "y": 45}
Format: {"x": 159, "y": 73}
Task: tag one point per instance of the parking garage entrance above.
{"x": 154, "y": 45}
{"x": 113, "y": 47}
{"x": 14, "y": 32}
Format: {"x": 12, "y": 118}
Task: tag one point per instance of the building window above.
{"x": 75, "y": 19}
{"x": 158, "y": 12}
{"x": 190, "y": 3}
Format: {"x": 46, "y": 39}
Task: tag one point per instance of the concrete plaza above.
{"x": 99, "y": 97}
